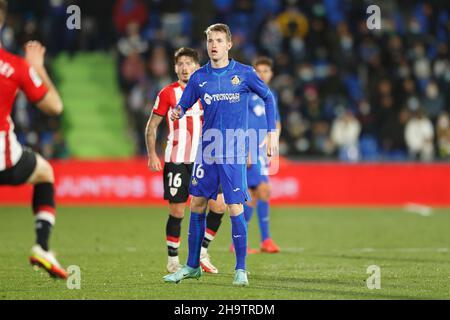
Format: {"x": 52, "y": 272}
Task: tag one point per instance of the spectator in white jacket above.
{"x": 345, "y": 135}
{"x": 419, "y": 134}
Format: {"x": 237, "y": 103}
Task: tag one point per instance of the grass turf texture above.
{"x": 325, "y": 255}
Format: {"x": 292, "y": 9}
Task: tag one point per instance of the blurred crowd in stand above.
{"x": 345, "y": 92}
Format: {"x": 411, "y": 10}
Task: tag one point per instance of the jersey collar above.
{"x": 230, "y": 66}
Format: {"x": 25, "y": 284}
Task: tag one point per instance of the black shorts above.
{"x": 177, "y": 177}
{"x": 21, "y": 172}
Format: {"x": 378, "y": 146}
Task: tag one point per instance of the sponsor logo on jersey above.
{"x": 194, "y": 182}
{"x": 230, "y": 97}
{"x": 207, "y": 98}
{"x": 6, "y": 69}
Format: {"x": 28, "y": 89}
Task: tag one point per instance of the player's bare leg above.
{"x": 263, "y": 194}
{"x": 173, "y": 231}
{"x": 197, "y": 226}
{"x": 42, "y": 180}
{"x": 213, "y": 220}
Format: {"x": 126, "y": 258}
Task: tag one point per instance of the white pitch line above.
{"x": 420, "y": 209}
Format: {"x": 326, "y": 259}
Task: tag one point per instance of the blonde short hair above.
{"x": 219, "y": 27}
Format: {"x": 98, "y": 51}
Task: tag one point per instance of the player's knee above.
{"x": 264, "y": 191}
{"x": 177, "y": 210}
{"x": 235, "y": 209}
{"x": 198, "y": 204}
{"x": 48, "y": 173}
{"x": 44, "y": 172}
{"x": 217, "y": 206}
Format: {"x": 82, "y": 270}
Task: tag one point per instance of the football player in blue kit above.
{"x": 258, "y": 169}
{"x": 224, "y": 87}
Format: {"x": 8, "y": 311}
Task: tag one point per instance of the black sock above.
{"x": 43, "y": 229}
{"x": 213, "y": 221}
{"x": 44, "y": 211}
{"x": 173, "y": 231}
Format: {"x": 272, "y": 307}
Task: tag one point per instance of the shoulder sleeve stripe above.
{"x": 267, "y": 93}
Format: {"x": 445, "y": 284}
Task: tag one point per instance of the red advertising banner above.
{"x": 129, "y": 182}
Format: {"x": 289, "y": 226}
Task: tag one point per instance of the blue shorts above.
{"x": 255, "y": 177}
{"x": 206, "y": 179}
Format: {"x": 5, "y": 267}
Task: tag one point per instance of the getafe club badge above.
{"x": 235, "y": 81}
{"x": 194, "y": 182}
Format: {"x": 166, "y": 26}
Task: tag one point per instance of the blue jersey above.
{"x": 224, "y": 94}
{"x": 257, "y": 113}
{"x": 257, "y": 120}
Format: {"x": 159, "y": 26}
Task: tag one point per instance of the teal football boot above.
{"x": 185, "y": 272}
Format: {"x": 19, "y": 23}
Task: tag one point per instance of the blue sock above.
{"x": 197, "y": 227}
{"x": 248, "y": 212}
{"x": 239, "y": 237}
{"x": 263, "y": 218}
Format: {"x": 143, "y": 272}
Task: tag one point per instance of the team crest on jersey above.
{"x": 194, "y": 182}
{"x": 235, "y": 81}
{"x": 173, "y": 191}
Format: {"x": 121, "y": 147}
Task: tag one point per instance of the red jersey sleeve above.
{"x": 162, "y": 103}
{"x": 31, "y": 83}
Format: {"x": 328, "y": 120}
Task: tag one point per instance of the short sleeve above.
{"x": 31, "y": 83}
{"x": 162, "y": 103}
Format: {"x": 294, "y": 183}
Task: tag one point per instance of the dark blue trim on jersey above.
{"x": 230, "y": 66}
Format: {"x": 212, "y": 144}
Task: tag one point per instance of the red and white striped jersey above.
{"x": 15, "y": 74}
{"x": 184, "y": 134}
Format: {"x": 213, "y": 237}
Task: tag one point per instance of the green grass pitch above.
{"x": 325, "y": 255}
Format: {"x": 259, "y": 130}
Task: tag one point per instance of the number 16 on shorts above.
{"x": 197, "y": 173}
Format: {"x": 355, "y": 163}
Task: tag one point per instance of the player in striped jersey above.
{"x": 181, "y": 149}
{"x": 20, "y": 165}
